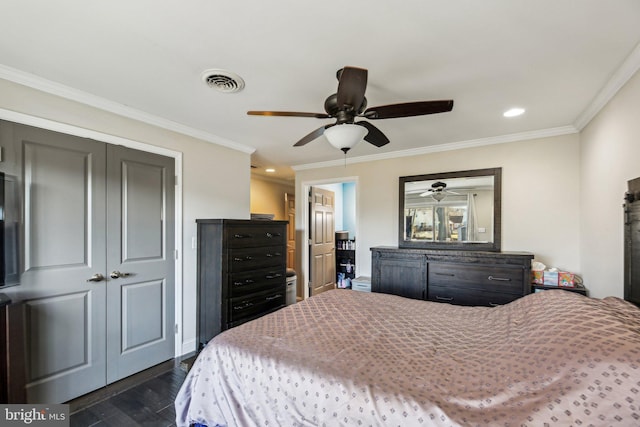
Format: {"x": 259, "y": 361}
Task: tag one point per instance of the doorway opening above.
{"x": 345, "y": 192}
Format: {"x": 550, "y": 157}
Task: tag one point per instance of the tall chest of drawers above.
{"x": 241, "y": 272}
{"x": 455, "y": 277}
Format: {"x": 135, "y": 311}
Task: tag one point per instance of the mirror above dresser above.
{"x": 451, "y": 210}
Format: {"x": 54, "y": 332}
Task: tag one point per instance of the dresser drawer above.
{"x": 462, "y": 296}
{"x": 248, "y": 282}
{"x": 249, "y": 307}
{"x": 251, "y": 258}
{"x": 255, "y": 236}
{"x": 485, "y": 278}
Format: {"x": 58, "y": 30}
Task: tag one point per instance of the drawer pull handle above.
{"x": 271, "y": 298}
{"x": 273, "y": 276}
{"x": 242, "y": 236}
{"x": 439, "y": 298}
{"x": 273, "y": 254}
{"x": 500, "y": 279}
{"x": 246, "y": 282}
{"x": 272, "y": 235}
{"x": 243, "y": 306}
{"x": 445, "y": 274}
{"x": 247, "y": 258}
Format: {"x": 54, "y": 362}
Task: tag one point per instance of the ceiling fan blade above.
{"x": 313, "y": 135}
{"x": 351, "y": 87}
{"x": 375, "y": 135}
{"x": 289, "y": 114}
{"x": 408, "y": 109}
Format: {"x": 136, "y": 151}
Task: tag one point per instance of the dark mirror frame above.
{"x": 493, "y": 246}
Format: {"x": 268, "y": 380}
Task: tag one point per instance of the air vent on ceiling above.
{"x": 223, "y": 81}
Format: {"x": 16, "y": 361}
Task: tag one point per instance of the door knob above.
{"x": 96, "y": 278}
{"x": 116, "y": 274}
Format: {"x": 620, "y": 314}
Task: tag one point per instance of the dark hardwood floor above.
{"x": 144, "y": 399}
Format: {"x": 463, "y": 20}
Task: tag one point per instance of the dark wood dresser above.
{"x": 456, "y": 277}
{"x": 241, "y": 272}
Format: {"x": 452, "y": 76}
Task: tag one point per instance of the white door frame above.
{"x": 302, "y": 204}
{"x": 52, "y": 125}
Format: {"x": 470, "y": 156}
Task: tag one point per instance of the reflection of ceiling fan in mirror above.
{"x": 438, "y": 191}
{"x": 348, "y": 103}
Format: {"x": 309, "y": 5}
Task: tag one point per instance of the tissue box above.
{"x": 537, "y": 277}
{"x": 550, "y": 278}
{"x": 566, "y": 279}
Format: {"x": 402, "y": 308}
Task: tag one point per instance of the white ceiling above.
{"x": 559, "y": 60}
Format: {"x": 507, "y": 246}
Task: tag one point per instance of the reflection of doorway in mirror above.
{"x": 456, "y": 228}
{"x": 436, "y": 223}
{"x": 449, "y": 223}
{"x": 423, "y": 224}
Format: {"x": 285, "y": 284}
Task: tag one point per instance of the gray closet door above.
{"x": 98, "y": 260}
{"x": 140, "y": 261}
{"x": 64, "y": 246}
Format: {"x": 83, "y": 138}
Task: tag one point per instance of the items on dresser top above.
{"x": 456, "y": 277}
{"x": 241, "y": 272}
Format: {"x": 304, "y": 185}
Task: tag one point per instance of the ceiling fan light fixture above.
{"x": 345, "y": 136}
{"x": 438, "y": 196}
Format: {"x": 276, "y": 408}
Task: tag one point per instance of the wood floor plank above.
{"x": 140, "y": 400}
{"x": 168, "y": 413}
{"x": 84, "y": 419}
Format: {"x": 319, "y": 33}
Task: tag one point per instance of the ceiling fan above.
{"x": 349, "y": 103}
{"x": 438, "y": 191}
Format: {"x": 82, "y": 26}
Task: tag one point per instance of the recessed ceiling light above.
{"x": 513, "y": 112}
{"x": 270, "y": 170}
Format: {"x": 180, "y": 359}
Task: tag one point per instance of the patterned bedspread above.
{"x": 348, "y": 358}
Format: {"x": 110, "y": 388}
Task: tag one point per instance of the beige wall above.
{"x": 610, "y": 149}
{"x": 267, "y": 196}
{"x": 540, "y": 195}
{"x": 205, "y": 166}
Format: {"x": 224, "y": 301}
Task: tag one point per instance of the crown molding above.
{"x": 618, "y": 79}
{"x": 66, "y": 92}
{"x": 514, "y": 137}
{"x": 275, "y": 180}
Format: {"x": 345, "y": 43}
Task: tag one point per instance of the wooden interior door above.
{"x": 290, "y": 211}
{"x": 322, "y": 241}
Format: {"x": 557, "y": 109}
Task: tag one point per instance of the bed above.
{"x": 348, "y": 358}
